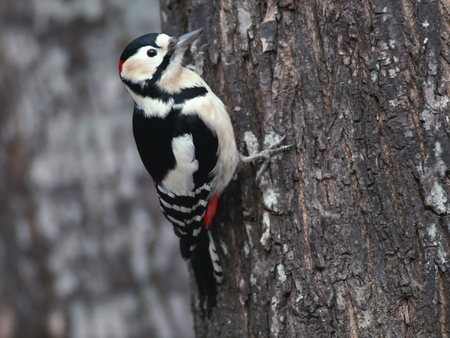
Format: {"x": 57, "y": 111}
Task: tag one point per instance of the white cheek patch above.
{"x": 192, "y": 106}
{"x": 180, "y": 179}
{"x": 141, "y": 67}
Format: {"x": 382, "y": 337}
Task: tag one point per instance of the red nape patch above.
{"x": 211, "y": 211}
{"x": 120, "y": 66}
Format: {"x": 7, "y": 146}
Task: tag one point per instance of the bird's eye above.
{"x": 151, "y": 53}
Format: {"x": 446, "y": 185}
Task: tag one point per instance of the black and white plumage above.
{"x": 185, "y": 139}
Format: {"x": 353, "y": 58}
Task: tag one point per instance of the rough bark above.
{"x": 348, "y": 234}
{"x": 84, "y": 249}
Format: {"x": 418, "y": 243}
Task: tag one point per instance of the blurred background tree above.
{"x": 84, "y": 249}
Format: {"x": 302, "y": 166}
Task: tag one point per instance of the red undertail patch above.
{"x": 120, "y": 66}
{"x": 211, "y": 211}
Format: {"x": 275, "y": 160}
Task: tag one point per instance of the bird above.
{"x": 186, "y": 142}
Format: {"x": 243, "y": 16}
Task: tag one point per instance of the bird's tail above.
{"x": 207, "y": 270}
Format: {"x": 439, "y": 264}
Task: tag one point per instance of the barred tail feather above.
{"x": 207, "y": 270}
{"x": 218, "y": 274}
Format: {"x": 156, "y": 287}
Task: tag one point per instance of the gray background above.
{"x": 84, "y": 249}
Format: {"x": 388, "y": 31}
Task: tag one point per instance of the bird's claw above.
{"x": 204, "y": 48}
{"x": 198, "y": 55}
{"x": 195, "y": 50}
{"x": 261, "y": 170}
{"x": 267, "y": 155}
{"x": 279, "y": 143}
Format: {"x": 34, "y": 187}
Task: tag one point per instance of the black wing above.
{"x": 186, "y": 211}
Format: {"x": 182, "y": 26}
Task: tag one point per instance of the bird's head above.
{"x": 152, "y": 56}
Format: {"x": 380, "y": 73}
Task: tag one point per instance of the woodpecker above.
{"x": 185, "y": 139}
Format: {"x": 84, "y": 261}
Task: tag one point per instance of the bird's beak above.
{"x": 186, "y": 39}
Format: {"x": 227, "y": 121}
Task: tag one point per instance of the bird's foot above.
{"x": 267, "y": 155}
{"x": 198, "y": 57}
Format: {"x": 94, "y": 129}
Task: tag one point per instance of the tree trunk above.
{"x": 348, "y": 234}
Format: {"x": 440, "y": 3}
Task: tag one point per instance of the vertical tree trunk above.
{"x": 348, "y": 234}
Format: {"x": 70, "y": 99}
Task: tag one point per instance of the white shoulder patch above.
{"x": 151, "y": 107}
{"x": 180, "y": 179}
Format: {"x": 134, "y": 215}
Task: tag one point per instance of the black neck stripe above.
{"x": 162, "y": 67}
{"x": 147, "y": 89}
{"x": 189, "y": 94}
{"x": 152, "y": 91}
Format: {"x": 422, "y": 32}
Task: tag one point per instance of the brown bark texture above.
{"x": 347, "y": 234}
{"x": 84, "y": 249}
